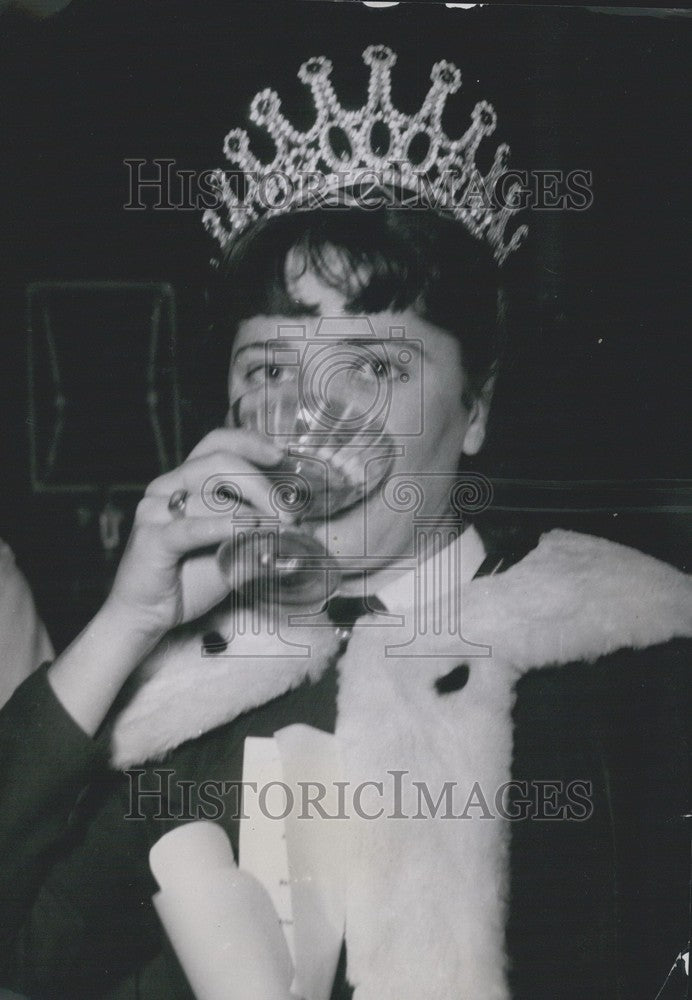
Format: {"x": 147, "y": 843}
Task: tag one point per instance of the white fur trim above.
{"x": 447, "y": 876}
{"x": 574, "y": 597}
{"x": 179, "y": 692}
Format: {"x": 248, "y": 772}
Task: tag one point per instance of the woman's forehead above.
{"x": 327, "y": 313}
{"x": 329, "y": 318}
{"x": 332, "y": 326}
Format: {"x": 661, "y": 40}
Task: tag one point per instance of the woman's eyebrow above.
{"x": 413, "y": 345}
{"x": 398, "y": 342}
{"x": 255, "y": 345}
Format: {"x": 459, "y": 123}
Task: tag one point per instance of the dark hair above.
{"x": 386, "y": 259}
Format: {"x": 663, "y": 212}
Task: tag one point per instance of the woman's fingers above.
{"x": 188, "y": 534}
{"x": 248, "y": 444}
{"x": 168, "y": 572}
{"x": 219, "y": 481}
{"x": 154, "y": 510}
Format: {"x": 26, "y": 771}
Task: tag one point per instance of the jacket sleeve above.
{"x": 71, "y": 865}
{"x": 24, "y": 642}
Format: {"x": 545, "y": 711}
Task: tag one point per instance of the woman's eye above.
{"x": 263, "y": 374}
{"x": 371, "y": 368}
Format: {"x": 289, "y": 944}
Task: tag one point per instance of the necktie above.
{"x": 345, "y": 611}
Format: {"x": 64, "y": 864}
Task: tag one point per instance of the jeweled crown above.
{"x": 364, "y": 157}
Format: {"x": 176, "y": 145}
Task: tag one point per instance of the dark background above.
{"x": 594, "y": 398}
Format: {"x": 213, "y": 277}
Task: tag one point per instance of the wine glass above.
{"x": 333, "y": 459}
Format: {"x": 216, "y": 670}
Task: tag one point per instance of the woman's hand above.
{"x": 168, "y": 573}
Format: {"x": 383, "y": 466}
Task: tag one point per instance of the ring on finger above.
{"x": 177, "y": 502}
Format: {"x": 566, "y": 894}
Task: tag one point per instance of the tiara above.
{"x": 371, "y": 156}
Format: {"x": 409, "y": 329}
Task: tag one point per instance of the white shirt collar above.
{"x": 458, "y": 563}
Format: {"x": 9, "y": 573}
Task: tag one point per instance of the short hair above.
{"x": 387, "y": 259}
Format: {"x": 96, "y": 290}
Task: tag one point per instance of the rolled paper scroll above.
{"x": 219, "y": 920}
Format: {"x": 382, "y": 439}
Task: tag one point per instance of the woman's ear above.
{"x": 479, "y": 411}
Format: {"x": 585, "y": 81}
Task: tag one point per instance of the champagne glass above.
{"x": 333, "y": 460}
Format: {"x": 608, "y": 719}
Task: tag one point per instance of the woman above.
{"x": 524, "y": 699}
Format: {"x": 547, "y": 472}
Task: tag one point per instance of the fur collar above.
{"x": 426, "y": 902}
{"x": 573, "y": 597}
